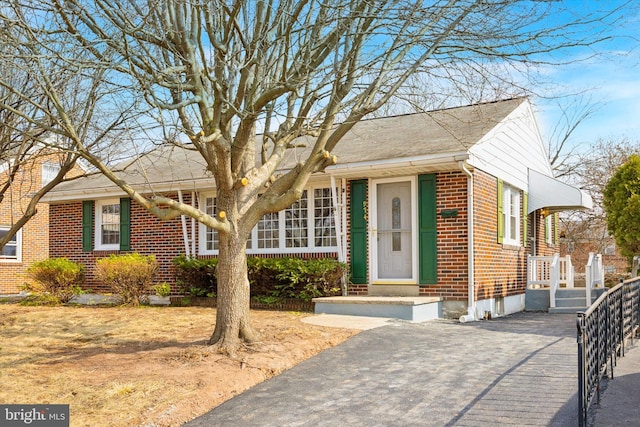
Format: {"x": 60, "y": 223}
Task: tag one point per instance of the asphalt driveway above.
{"x": 518, "y": 370}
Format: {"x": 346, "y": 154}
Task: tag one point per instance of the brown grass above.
{"x": 145, "y": 366}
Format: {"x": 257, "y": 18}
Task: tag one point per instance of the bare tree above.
{"x": 217, "y": 70}
{"x": 48, "y": 102}
{"x": 591, "y": 169}
{"x": 563, "y": 151}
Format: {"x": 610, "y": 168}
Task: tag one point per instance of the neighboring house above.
{"x": 447, "y": 203}
{"x": 579, "y": 238}
{"x": 31, "y": 243}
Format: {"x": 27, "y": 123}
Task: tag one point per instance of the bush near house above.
{"x": 130, "y": 275}
{"x": 271, "y": 279}
{"x": 56, "y": 280}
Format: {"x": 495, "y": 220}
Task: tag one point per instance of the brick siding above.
{"x": 35, "y": 241}
{"x": 499, "y": 270}
{"x": 149, "y": 236}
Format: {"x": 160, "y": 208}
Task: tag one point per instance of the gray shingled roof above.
{"x": 453, "y": 130}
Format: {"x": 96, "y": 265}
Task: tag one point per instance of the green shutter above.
{"x": 500, "y": 217}
{"x": 358, "y": 231}
{"x": 525, "y": 218}
{"x": 427, "y": 233}
{"x": 87, "y": 225}
{"x": 556, "y": 229}
{"x": 125, "y": 224}
{"x": 547, "y": 232}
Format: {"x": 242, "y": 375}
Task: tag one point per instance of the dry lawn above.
{"x": 145, "y": 366}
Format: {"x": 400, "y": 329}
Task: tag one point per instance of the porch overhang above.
{"x": 399, "y": 166}
{"x": 548, "y": 193}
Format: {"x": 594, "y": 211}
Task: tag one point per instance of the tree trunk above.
{"x": 232, "y": 317}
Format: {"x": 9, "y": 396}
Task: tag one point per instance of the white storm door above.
{"x": 392, "y": 233}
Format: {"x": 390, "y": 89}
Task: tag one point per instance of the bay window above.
{"x": 307, "y": 225}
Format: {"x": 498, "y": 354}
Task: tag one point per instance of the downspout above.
{"x": 185, "y": 235}
{"x": 471, "y": 309}
{"x": 193, "y": 225}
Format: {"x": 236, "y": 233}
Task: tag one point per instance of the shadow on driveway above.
{"x": 517, "y": 370}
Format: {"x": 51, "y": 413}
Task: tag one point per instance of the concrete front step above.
{"x": 414, "y": 309}
{"x": 570, "y": 302}
{"x": 571, "y": 293}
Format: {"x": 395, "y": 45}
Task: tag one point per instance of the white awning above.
{"x": 546, "y": 192}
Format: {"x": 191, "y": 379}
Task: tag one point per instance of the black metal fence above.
{"x": 602, "y": 334}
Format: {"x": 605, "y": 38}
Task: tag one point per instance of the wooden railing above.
{"x": 550, "y": 272}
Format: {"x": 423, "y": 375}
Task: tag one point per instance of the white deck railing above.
{"x": 539, "y": 271}
{"x": 594, "y": 275}
{"x": 550, "y": 272}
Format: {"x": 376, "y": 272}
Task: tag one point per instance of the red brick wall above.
{"x": 35, "y": 242}
{"x": 452, "y": 244}
{"x": 149, "y": 236}
{"x": 500, "y": 270}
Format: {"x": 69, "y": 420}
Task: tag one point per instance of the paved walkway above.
{"x": 515, "y": 371}
{"x": 620, "y": 399}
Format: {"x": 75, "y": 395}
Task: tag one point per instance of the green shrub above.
{"x": 308, "y": 279}
{"x": 130, "y": 275}
{"x": 196, "y": 277}
{"x": 271, "y": 278}
{"x": 59, "y": 278}
{"x": 162, "y": 289}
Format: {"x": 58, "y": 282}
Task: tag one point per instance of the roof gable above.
{"x": 511, "y": 148}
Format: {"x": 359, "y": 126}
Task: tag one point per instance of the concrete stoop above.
{"x": 413, "y": 309}
{"x": 573, "y": 300}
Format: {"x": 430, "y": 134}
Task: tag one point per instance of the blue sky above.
{"x": 610, "y": 82}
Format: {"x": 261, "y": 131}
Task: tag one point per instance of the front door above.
{"x": 392, "y": 232}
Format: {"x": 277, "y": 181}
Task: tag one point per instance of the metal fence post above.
{"x": 581, "y": 371}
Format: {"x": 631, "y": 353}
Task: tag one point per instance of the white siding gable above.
{"x": 511, "y": 148}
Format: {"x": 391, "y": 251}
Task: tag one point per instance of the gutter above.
{"x": 428, "y": 160}
{"x": 471, "y": 309}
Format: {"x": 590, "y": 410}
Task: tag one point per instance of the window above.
{"x": 269, "y": 231}
{"x": 12, "y": 251}
{"x": 510, "y": 220}
{"x": 324, "y": 223}
{"x": 306, "y": 225}
{"x": 108, "y": 225}
{"x": 49, "y": 172}
{"x": 296, "y": 223}
{"x": 211, "y": 235}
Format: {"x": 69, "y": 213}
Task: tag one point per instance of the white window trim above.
{"x": 507, "y": 191}
{"x": 18, "y": 257}
{"x": 282, "y": 249}
{"x": 98, "y": 226}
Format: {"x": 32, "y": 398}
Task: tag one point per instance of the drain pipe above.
{"x": 471, "y": 309}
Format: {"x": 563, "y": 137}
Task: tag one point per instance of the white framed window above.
{"x": 305, "y": 226}
{"x": 107, "y": 235}
{"x": 511, "y": 215}
{"x": 12, "y": 251}
{"x": 49, "y": 171}
{"x": 323, "y": 219}
{"x": 210, "y": 235}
